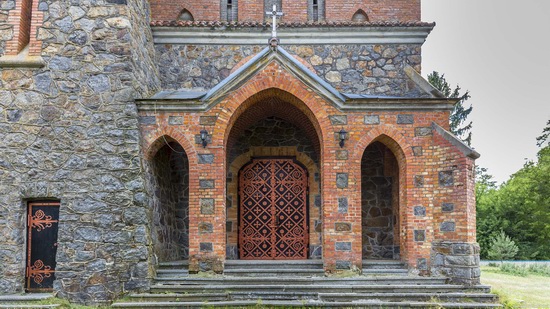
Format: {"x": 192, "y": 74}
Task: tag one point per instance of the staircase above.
{"x": 30, "y": 300}
{"x": 384, "y": 284}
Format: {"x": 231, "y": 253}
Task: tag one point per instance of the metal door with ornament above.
{"x": 273, "y": 210}
{"x": 42, "y": 225}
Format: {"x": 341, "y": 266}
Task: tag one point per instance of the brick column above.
{"x": 207, "y": 239}
{"x": 341, "y": 208}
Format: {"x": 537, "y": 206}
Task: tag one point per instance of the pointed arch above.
{"x": 162, "y": 138}
{"x": 360, "y": 16}
{"x": 186, "y": 15}
{"x": 396, "y": 153}
{"x": 274, "y": 102}
{"x": 169, "y": 185}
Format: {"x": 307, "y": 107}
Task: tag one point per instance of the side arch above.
{"x": 169, "y": 187}
{"x": 389, "y": 137}
{"x": 401, "y": 150}
{"x": 152, "y": 144}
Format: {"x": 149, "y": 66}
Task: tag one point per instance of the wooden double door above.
{"x": 273, "y": 210}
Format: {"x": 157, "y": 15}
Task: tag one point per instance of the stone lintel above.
{"x": 292, "y": 36}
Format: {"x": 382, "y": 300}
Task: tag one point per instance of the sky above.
{"x": 499, "y": 50}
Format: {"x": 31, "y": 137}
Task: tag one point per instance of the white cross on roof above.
{"x": 275, "y": 14}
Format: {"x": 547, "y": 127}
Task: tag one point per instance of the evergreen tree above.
{"x": 460, "y": 126}
{"x": 503, "y": 248}
{"x": 545, "y": 135}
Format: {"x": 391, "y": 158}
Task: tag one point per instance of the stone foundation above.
{"x": 456, "y": 260}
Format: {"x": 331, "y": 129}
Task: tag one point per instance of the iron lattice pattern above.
{"x": 273, "y": 213}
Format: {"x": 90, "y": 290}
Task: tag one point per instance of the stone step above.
{"x": 30, "y": 300}
{"x": 301, "y": 304}
{"x": 385, "y": 271}
{"x": 327, "y": 297}
{"x": 172, "y": 273}
{"x": 447, "y": 297}
{"x": 183, "y": 264}
{"x": 341, "y": 288}
{"x": 273, "y": 272}
{"x": 273, "y": 264}
{"x": 384, "y": 264}
{"x": 362, "y": 280}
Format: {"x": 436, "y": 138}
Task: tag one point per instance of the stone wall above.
{"x": 70, "y": 132}
{"x": 272, "y": 132}
{"x": 378, "y": 217}
{"x": 456, "y": 260}
{"x": 362, "y": 69}
{"x": 6, "y": 30}
{"x": 170, "y": 203}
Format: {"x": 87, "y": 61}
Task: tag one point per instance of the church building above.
{"x": 137, "y": 132}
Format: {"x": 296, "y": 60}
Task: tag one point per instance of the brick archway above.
{"x": 401, "y": 150}
{"x": 279, "y": 104}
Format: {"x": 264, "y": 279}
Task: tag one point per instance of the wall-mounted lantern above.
{"x": 343, "y": 135}
{"x": 204, "y": 138}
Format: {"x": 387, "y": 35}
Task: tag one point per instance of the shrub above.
{"x": 503, "y": 248}
{"x": 517, "y": 270}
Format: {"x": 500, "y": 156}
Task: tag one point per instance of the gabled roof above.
{"x": 198, "y": 101}
{"x": 260, "y": 61}
{"x": 455, "y": 141}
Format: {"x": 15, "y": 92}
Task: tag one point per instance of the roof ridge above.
{"x": 258, "y": 24}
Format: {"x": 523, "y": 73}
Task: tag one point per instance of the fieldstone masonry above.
{"x": 363, "y": 69}
{"x": 70, "y": 132}
{"x": 458, "y": 261}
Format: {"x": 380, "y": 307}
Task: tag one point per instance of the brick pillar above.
{"x": 341, "y": 208}
{"x": 25, "y": 19}
{"x": 207, "y": 239}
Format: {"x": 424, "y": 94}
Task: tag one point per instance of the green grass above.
{"x": 518, "y": 291}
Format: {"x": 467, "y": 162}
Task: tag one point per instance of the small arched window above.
{"x": 186, "y": 15}
{"x": 360, "y": 16}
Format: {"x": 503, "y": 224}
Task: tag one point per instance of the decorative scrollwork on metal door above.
{"x": 273, "y": 210}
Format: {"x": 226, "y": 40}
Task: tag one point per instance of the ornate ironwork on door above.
{"x": 42, "y": 224}
{"x": 273, "y": 210}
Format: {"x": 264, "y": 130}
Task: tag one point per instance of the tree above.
{"x": 520, "y": 207}
{"x": 488, "y": 223}
{"x": 503, "y": 248}
{"x": 460, "y": 126}
{"x": 545, "y": 135}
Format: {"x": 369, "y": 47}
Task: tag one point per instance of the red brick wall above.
{"x": 205, "y": 10}
{"x": 295, "y": 11}
{"x": 251, "y": 10}
{"x": 377, "y": 10}
{"x": 25, "y": 20}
